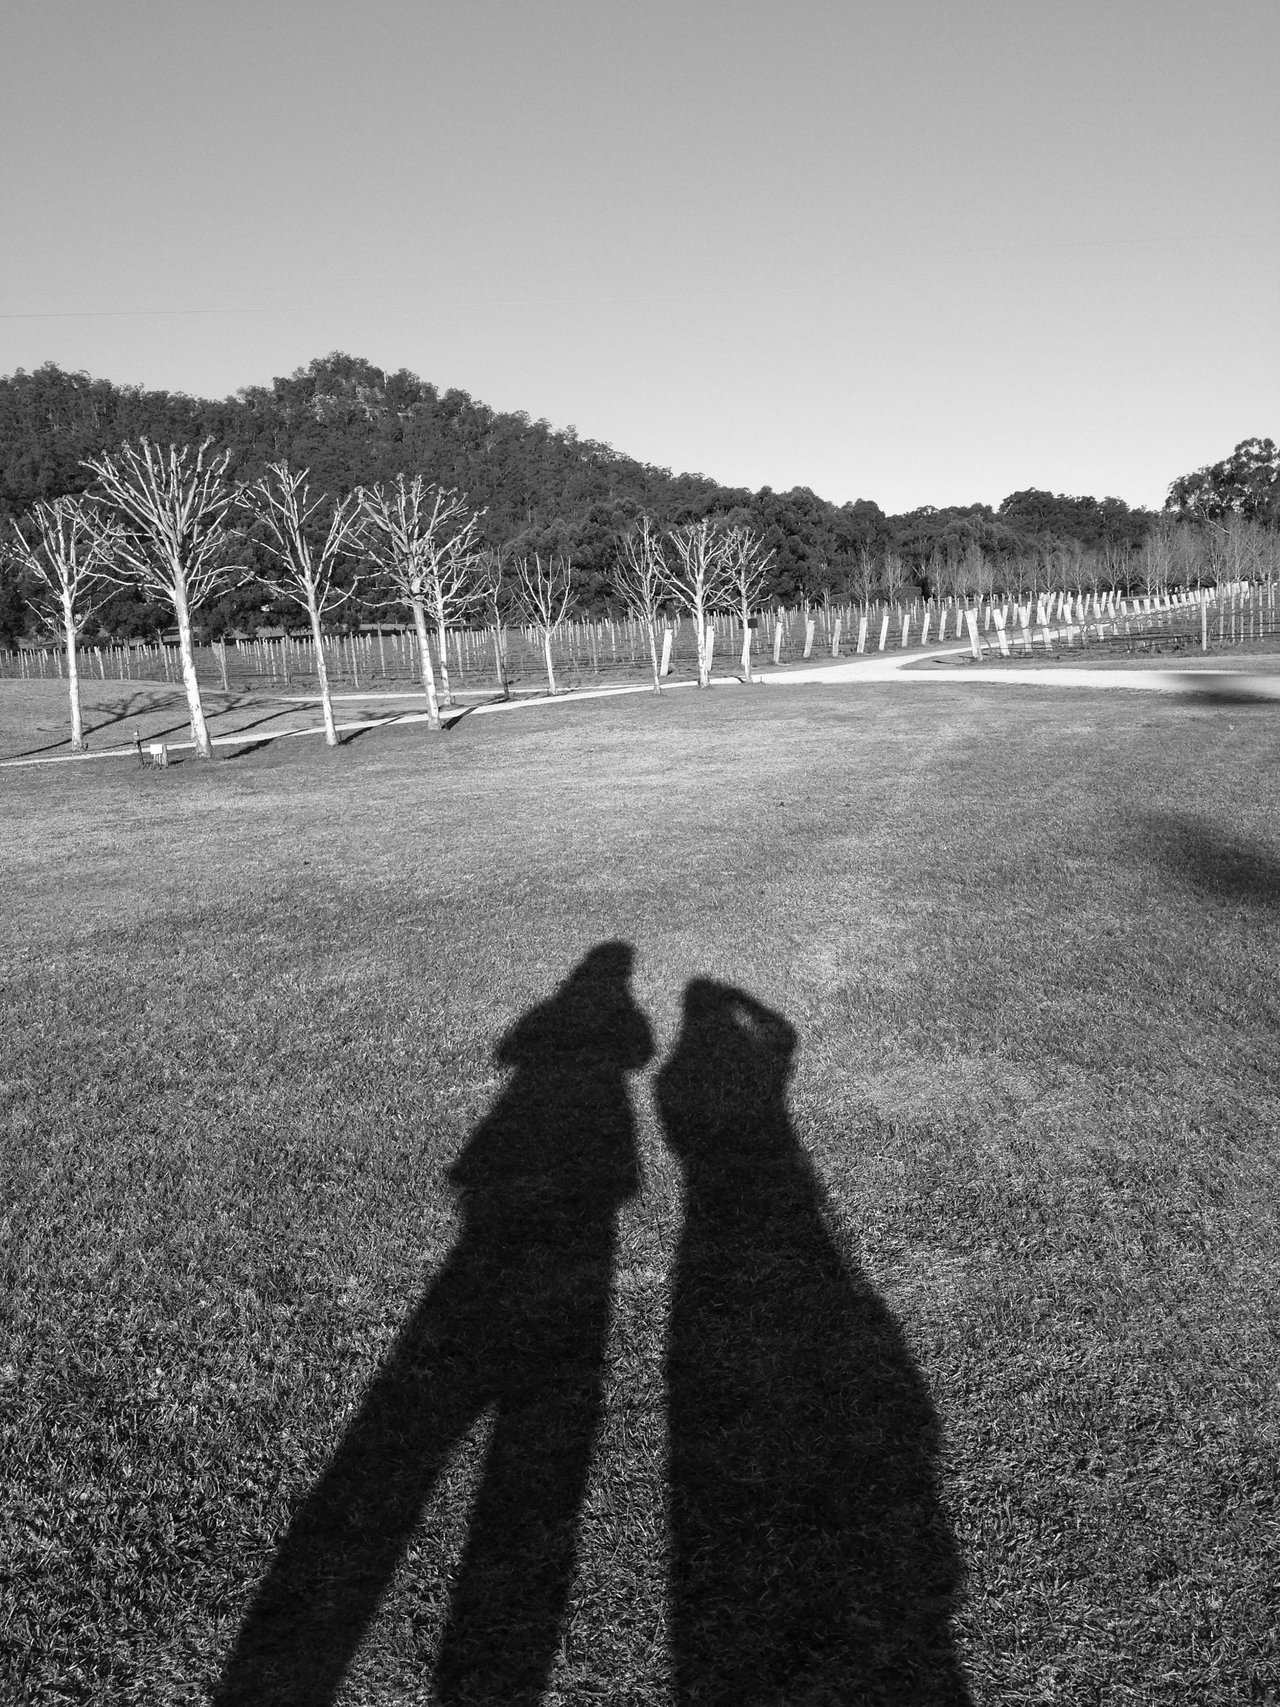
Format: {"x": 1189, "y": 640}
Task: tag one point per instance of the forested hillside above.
{"x": 351, "y": 423}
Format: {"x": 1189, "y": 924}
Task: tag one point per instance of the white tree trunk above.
{"x": 442, "y": 646}
{"x": 195, "y": 710}
{"x": 500, "y": 661}
{"x": 700, "y": 632}
{"x": 546, "y": 648}
{"x": 73, "y": 673}
{"x": 428, "y": 674}
{"x": 746, "y": 647}
{"x": 322, "y": 671}
{"x": 651, "y": 628}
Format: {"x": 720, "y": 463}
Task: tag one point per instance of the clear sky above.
{"x": 921, "y": 251}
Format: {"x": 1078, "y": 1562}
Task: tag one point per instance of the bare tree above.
{"x": 451, "y": 581}
{"x": 1113, "y": 568}
{"x": 1157, "y": 555}
{"x": 412, "y": 529}
{"x": 493, "y": 591}
{"x": 169, "y": 530}
{"x": 893, "y": 577}
{"x": 699, "y": 581}
{"x": 866, "y": 577}
{"x": 640, "y": 578}
{"x": 62, "y": 554}
{"x": 746, "y": 567}
{"x": 290, "y": 517}
{"x": 1238, "y": 543}
{"x": 542, "y": 594}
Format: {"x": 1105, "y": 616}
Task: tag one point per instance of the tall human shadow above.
{"x": 811, "y": 1561}
{"x": 515, "y": 1322}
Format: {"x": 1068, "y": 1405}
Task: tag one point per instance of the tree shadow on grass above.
{"x": 515, "y": 1324}
{"x": 351, "y": 736}
{"x": 811, "y": 1561}
{"x": 1219, "y": 867}
{"x": 90, "y": 728}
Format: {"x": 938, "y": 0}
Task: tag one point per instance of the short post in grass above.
{"x": 884, "y": 629}
{"x": 924, "y": 628}
{"x": 667, "y": 635}
{"x": 971, "y": 623}
{"x": 835, "y": 638}
{"x": 810, "y": 628}
{"x": 777, "y": 638}
{"x": 862, "y": 632}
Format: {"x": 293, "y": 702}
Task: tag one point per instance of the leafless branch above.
{"x": 172, "y": 518}
{"x": 280, "y": 500}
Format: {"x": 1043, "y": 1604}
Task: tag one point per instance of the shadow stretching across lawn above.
{"x": 515, "y": 1322}
{"x": 810, "y": 1560}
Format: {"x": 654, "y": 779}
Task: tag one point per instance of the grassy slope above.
{"x": 1029, "y": 948}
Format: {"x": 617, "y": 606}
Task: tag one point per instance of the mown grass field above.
{"x": 872, "y": 1299}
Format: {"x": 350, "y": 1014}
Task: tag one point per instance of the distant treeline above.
{"x": 550, "y": 491}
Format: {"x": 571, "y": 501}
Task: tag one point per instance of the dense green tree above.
{"x": 1098, "y": 524}
{"x": 548, "y": 493}
{"x": 1246, "y": 483}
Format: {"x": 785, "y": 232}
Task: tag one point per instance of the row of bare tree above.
{"x": 170, "y": 523}
{"x": 1177, "y": 552}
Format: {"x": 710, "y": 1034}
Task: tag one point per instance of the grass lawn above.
{"x": 865, "y": 1293}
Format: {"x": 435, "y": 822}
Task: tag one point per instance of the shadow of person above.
{"x": 1218, "y": 865}
{"x": 514, "y": 1323}
{"x": 810, "y": 1560}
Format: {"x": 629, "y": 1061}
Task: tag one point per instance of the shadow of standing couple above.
{"x": 809, "y": 1557}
